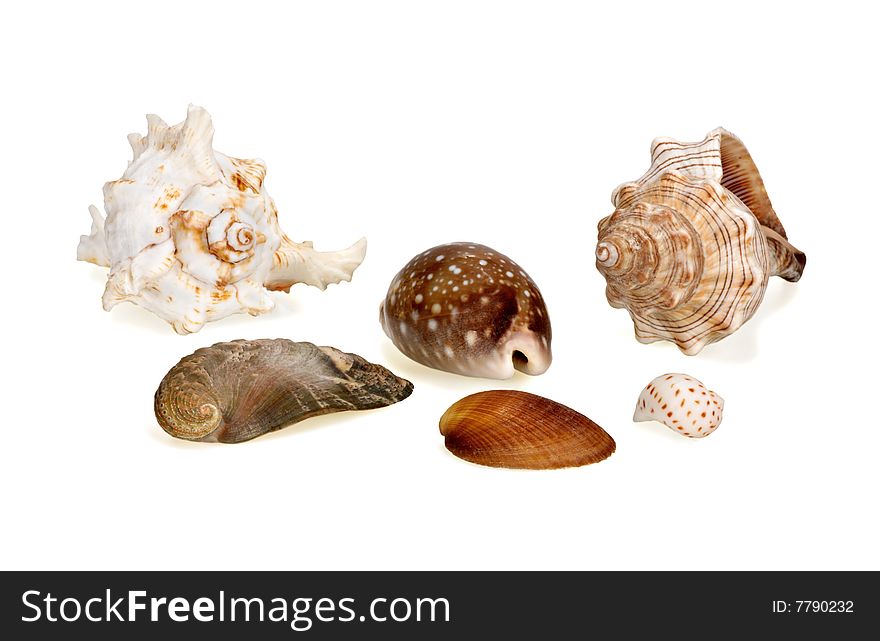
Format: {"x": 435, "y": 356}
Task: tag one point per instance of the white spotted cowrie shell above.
{"x": 682, "y": 403}
{"x": 468, "y": 309}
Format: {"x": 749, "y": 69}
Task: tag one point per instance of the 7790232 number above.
{"x": 845, "y": 607}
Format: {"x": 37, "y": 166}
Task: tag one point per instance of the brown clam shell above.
{"x": 233, "y": 392}
{"x": 468, "y": 309}
{"x": 508, "y": 428}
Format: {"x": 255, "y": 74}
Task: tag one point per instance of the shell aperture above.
{"x": 235, "y": 391}
{"x": 192, "y": 235}
{"x": 468, "y": 309}
{"x": 509, "y": 428}
{"x": 691, "y": 245}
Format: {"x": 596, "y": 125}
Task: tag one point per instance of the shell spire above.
{"x": 691, "y": 244}
{"x": 192, "y": 235}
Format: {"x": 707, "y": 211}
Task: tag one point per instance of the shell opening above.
{"x": 527, "y": 353}
{"x": 520, "y": 360}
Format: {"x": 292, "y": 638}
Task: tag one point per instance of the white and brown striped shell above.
{"x": 691, "y": 244}
{"x": 233, "y": 392}
{"x": 468, "y": 309}
{"x": 192, "y": 235}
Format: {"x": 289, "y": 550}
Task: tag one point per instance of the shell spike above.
{"x": 301, "y": 263}
{"x": 786, "y": 261}
{"x": 190, "y": 140}
{"x": 156, "y": 127}
{"x": 198, "y": 128}
{"x": 198, "y": 139}
{"x": 138, "y": 144}
{"x": 93, "y": 248}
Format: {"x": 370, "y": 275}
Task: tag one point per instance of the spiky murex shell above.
{"x": 192, "y": 235}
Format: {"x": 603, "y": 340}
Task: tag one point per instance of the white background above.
{"x": 414, "y": 124}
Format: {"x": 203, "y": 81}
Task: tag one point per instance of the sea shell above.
{"x": 233, "y": 392}
{"x": 192, "y": 235}
{"x": 691, "y": 244}
{"x": 681, "y": 403}
{"x": 508, "y": 428}
{"x": 468, "y": 309}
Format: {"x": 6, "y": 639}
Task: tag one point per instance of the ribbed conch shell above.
{"x": 468, "y": 309}
{"x": 691, "y": 244}
{"x": 508, "y": 428}
{"x": 192, "y": 235}
{"x": 236, "y": 391}
{"x": 681, "y": 403}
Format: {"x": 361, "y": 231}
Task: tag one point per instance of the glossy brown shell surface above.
{"x": 509, "y": 428}
{"x": 469, "y": 309}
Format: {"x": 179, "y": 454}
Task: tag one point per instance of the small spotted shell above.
{"x": 682, "y": 403}
{"x": 468, "y": 309}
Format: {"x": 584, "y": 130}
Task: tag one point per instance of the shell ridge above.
{"x": 671, "y": 155}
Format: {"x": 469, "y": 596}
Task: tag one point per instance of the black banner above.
{"x": 429, "y": 605}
